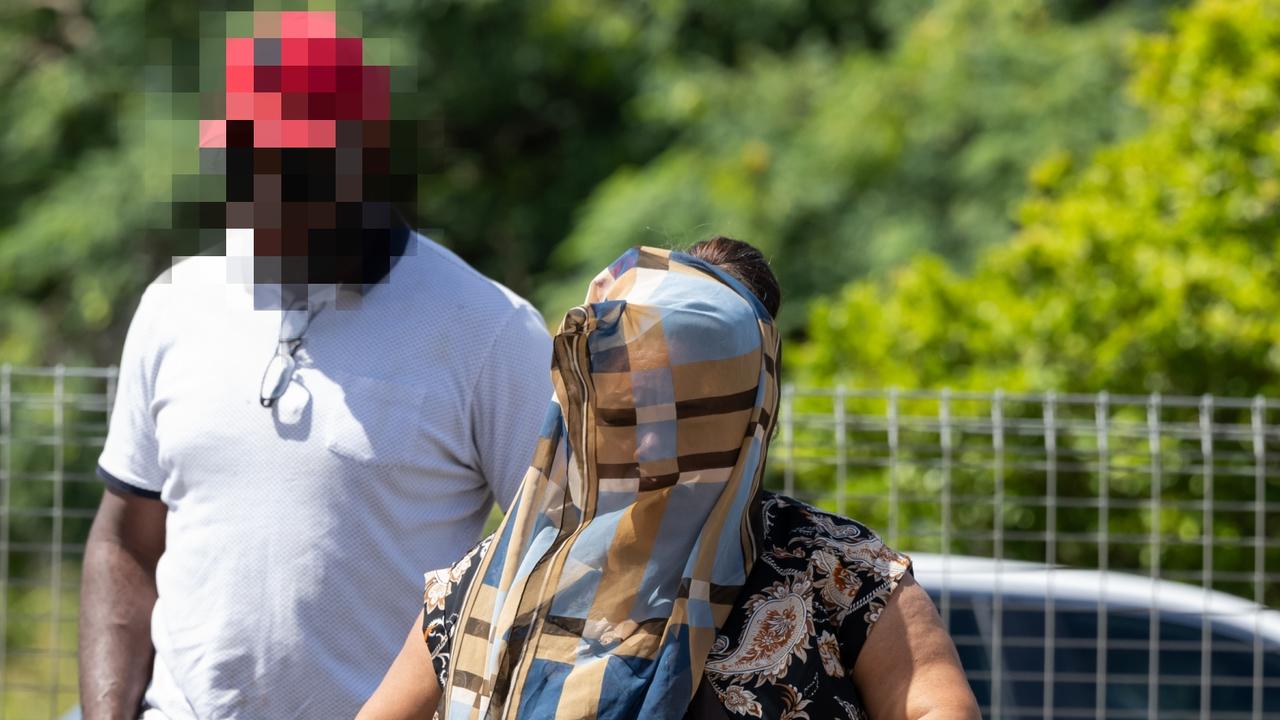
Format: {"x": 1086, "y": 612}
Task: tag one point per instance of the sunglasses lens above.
{"x": 276, "y": 378}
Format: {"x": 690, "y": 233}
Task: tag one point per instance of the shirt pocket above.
{"x": 374, "y": 422}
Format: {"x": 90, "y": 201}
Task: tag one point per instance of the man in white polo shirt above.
{"x": 268, "y": 517}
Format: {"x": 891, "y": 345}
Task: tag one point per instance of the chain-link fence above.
{"x": 52, "y": 425}
{"x": 1094, "y": 555}
{"x": 1158, "y": 504}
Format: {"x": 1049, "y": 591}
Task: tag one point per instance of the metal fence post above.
{"x": 842, "y": 451}
{"x": 1050, "y": 544}
{"x": 997, "y": 529}
{"x": 1206, "y": 558}
{"x": 1101, "y": 418}
{"x": 944, "y": 436}
{"x": 1153, "y": 627}
{"x": 1258, "y": 423}
{"x": 55, "y": 574}
{"x": 892, "y": 423}
{"x": 113, "y": 377}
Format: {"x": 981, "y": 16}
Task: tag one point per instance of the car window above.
{"x": 965, "y": 617}
{"x": 1128, "y": 659}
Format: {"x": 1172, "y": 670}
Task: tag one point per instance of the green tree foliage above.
{"x": 840, "y": 162}
{"x": 1151, "y": 268}
{"x": 851, "y": 133}
{"x": 65, "y": 211}
{"x": 525, "y": 106}
{"x": 530, "y": 105}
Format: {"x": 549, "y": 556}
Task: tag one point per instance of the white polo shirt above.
{"x": 297, "y": 536}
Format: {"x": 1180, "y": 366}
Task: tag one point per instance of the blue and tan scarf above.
{"x": 630, "y": 538}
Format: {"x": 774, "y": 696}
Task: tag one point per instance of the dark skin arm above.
{"x": 117, "y": 593}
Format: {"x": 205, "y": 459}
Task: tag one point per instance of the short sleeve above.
{"x": 443, "y": 596}
{"x": 879, "y": 570}
{"x": 513, "y": 390}
{"x": 130, "y": 457}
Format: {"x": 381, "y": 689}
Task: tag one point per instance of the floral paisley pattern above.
{"x": 818, "y": 586}
{"x": 778, "y": 631}
{"x": 829, "y": 651}
{"x": 439, "y": 615}
{"x": 839, "y": 586}
{"x": 740, "y": 701}
{"x": 844, "y": 574}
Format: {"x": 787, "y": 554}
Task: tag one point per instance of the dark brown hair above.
{"x": 746, "y": 264}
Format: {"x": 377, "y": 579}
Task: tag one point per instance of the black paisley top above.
{"x": 786, "y": 650}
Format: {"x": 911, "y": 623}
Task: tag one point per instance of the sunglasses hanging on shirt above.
{"x": 279, "y": 372}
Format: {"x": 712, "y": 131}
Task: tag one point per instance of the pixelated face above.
{"x": 306, "y": 149}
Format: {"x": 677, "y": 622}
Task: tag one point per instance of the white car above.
{"x": 1064, "y": 610}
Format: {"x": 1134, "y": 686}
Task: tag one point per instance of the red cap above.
{"x": 295, "y": 79}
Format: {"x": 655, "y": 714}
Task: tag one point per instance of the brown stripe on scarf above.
{"x": 708, "y": 461}
{"x": 697, "y": 407}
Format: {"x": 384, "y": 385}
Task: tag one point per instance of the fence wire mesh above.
{"x": 1162, "y": 500}
{"x": 1094, "y": 556}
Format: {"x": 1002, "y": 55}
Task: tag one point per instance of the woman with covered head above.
{"x": 642, "y": 571}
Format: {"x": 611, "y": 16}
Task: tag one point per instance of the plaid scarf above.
{"x": 630, "y": 538}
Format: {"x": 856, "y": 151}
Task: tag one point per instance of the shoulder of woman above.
{"x": 830, "y": 543}
{"x": 786, "y": 518}
{"x": 846, "y": 570}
